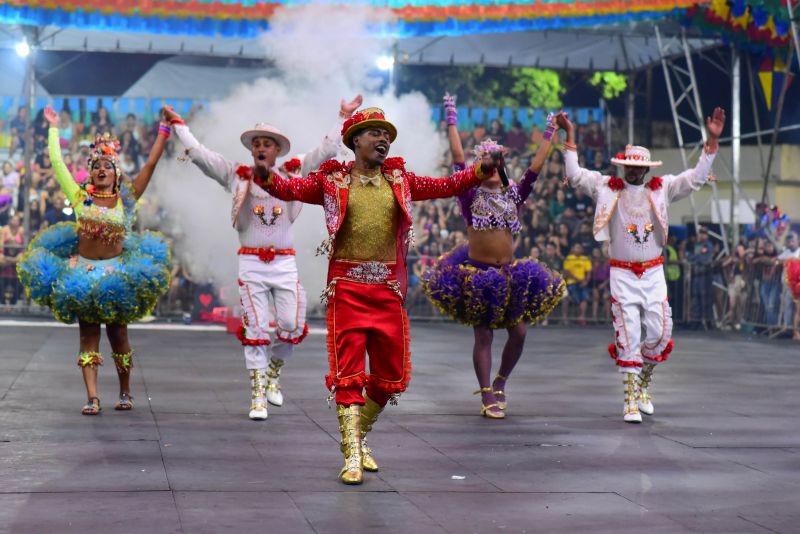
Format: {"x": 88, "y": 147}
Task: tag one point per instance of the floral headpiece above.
{"x": 487, "y": 146}
{"x": 105, "y": 147}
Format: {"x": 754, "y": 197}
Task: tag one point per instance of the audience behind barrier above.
{"x": 707, "y": 288}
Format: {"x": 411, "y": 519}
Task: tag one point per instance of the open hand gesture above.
{"x": 716, "y": 123}
{"x": 51, "y": 116}
{"x": 348, "y": 108}
{"x": 170, "y": 114}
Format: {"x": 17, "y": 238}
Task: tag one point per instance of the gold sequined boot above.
{"x": 630, "y": 411}
{"x": 369, "y": 414}
{"x": 258, "y": 387}
{"x": 350, "y": 427}
{"x": 274, "y": 395}
{"x": 645, "y": 399}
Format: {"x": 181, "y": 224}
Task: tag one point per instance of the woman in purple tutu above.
{"x": 479, "y": 283}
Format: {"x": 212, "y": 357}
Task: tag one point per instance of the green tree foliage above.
{"x": 611, "y": 84}
{"x": 537, "y": 88}
{"x": 485, "y": 86}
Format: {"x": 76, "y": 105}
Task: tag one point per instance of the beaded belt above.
{"x": 266, "y": 254}
{"x": 637, "y": 267}
{"x": 365, "y": 272}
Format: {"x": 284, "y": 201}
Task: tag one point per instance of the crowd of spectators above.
{"x": 707, "y": 287}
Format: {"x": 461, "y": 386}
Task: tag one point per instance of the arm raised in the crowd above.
{"x": 691, "y": 180}
{"x": 62, "y": 174}
{"x": 453, "y": 137}
{"x": 532, "y": 173}
{"x": 577, "y": 176}
{"x": 211, "y": 163}
{"x": 142, "y": 179}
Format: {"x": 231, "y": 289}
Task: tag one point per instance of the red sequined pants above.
{"x": 366, "y": 318}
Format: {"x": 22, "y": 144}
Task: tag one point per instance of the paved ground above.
{"x": 722, "y": 453}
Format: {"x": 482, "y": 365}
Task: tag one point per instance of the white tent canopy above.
{"x": 562, "y": 49}
{"x": 73, "y": 39}
{"x": 175, "y": 80}
{"x": 610, "y": 48}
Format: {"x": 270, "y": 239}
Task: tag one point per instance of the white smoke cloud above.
{"x": 322, "y": 54}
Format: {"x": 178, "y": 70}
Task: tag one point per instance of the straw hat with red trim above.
{"x": 635, "y": 156}
{"x": 363, "y": 119}
{"x": 266, "y": 130}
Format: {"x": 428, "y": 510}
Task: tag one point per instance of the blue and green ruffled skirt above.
{"x": 116, "y": 291}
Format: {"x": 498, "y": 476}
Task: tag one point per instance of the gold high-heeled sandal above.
{"x": 502, "y": 404}
{"x": 486, "y": 409}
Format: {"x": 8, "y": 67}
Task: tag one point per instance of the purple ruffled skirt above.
{"x": 477, "y": 294}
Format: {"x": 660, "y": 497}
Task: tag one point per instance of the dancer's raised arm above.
{"x": 142, "y": 180}
{"x": 577, "y": 176}
{"x": 212, "y": 164}
{"x": 453, "y": 137}
{"x": 63, "y": 177}
{"x": 691, "y": 180}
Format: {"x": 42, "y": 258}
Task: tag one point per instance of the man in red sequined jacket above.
{"x": 367, "y": 206}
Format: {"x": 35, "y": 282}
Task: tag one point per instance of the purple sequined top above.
{"x": 485, "y": 209}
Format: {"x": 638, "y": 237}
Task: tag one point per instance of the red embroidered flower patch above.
{"x": 655, "y": 183}
{"x": 244, "y": 172}
{"x": 616, "y": 184}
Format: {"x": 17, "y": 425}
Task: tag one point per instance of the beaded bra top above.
{"x": 490, "y": 209}
{"x": 108, "y": 225}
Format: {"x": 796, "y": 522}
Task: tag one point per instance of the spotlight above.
{"x": 22, "y": 48}
{"x": 385, "y": 62}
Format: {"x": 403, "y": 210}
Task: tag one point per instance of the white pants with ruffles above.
{"x": 285, "y": 316}
{"x": 636, "y": 303}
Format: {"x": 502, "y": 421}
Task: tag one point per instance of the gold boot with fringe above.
{"x": 369, "y": 414}
{"x": 350, "y": 427}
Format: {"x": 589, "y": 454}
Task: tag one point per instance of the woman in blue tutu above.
{"x": 480, "y": 284}
{"x": 97, "y": 270}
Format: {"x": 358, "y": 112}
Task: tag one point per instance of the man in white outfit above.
{"x": 632, "y": 217}
{"x": 267, "y": 266}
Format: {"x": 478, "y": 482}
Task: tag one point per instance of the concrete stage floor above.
{"x": 722, "y": 453}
